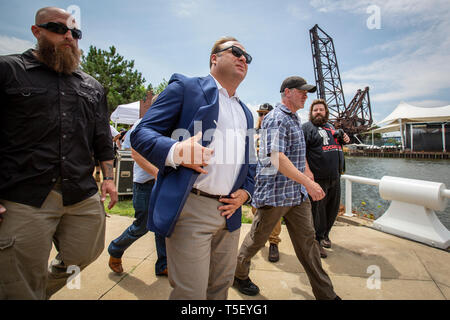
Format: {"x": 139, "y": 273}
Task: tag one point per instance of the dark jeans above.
{"x": 325, "y": 211}
{"x": 141, "y": 201}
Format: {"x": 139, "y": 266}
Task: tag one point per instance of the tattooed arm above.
{"x": 108, "y": 186}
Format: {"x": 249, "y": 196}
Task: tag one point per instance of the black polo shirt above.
{"x": 52, "y": 127}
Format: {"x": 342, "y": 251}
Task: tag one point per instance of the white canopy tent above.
{"x": 126, "y": 113}
{"x": 408, "y": 114}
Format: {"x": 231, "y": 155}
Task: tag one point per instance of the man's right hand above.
{"x": 191, "y": 154}
{"x": 315, "y": 191}
{"x": 2, "y": 211}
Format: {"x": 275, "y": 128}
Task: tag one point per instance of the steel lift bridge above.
{"x": 355, "y": 117}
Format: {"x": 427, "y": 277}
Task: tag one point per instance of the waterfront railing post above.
{"x": 348, "y": 198}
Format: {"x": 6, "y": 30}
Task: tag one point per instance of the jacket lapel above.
{"x": 207, "y": 114}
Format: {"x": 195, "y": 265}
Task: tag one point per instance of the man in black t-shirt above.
{"x": 326, "y": 162}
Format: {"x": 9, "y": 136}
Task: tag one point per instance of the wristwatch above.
{"x": 108, "y": 178}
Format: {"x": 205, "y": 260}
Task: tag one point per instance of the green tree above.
{"x": 122, "y": 83}
{"x": 160, "y": 87}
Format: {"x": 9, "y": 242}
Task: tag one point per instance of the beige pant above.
{"x": 26, "y": 237}
{"x": 301, "y": 231}
{"x": 201, "y": 252}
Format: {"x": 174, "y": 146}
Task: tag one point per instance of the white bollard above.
{"x": 411, "y": 214}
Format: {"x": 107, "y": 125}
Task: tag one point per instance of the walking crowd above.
{"x": 190, "y": 181}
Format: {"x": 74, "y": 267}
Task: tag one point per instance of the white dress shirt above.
{"x": 228, "y": 143}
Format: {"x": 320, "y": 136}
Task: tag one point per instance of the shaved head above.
{"x": 51, "y": 14}
{"x": 58, "y": 51}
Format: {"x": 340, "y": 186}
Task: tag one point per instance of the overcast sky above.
{"x": 402, "y": 54}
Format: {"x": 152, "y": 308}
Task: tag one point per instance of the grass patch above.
{"x": 124, "y": 207}
{"x": 121, "y": 208}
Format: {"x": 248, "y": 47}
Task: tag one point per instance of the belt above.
{"x": 204, "y": 194}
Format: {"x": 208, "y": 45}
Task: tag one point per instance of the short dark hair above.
{"x": 218, "y": 45}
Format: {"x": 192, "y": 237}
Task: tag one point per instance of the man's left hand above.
{"x": 236, "y": 201}
{"x": 108, "y": 187}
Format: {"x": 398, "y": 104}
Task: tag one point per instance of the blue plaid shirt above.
{"x": 281, "y": 132}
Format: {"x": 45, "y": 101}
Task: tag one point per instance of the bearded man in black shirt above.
{"x": 326, "y": 161}
{"x": 54, "y": 122}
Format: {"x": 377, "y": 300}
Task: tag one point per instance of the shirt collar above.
{"x": 223, "y": 90}
{"x": 30, "y": 61}
{"x": 285, "y": 109}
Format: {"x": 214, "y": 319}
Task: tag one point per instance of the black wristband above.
{"x": 108, "y": 178}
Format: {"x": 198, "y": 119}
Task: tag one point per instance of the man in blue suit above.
{"x": 198, "y": 134}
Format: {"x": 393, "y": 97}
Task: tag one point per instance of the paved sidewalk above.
{"x": 408, "y": 270}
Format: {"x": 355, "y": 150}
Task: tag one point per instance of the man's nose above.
{"x": 68, "y": 35}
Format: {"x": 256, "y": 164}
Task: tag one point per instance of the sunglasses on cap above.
{"x": 238, "y": 52}
{"x": 60, "y": 28}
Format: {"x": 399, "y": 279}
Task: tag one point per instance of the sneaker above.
{"x": 323, "y": 253}
{"x": 246, "y": 286}
{"x": 274, "y": 255}
{"x": 326, "y": 243}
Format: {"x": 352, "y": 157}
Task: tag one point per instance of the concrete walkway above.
{"x": 408, "y": 270}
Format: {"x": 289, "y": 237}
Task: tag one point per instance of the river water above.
{"x": 367, "y": 199}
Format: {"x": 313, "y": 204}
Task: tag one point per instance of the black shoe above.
{"x": 246, "y": 286}
{"x": 326, "y": 243}
{"x": 274, "y": 255}
{"x": 323, "y": 253}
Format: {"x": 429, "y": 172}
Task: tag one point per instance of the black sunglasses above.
{"x": 238, "y": 52}
{"x": 60, "y": 28}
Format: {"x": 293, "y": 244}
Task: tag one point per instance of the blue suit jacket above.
{"x": 183, "y": 102}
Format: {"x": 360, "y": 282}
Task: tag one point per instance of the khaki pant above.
{"x": 26, "y": 236}
{"x": 299, "y": 223}
{"x": 201, "y": 252}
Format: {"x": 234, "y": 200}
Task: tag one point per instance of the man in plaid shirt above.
{"x": 283, "y": 182}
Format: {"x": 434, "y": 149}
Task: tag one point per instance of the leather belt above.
{"x": 204, "y": 194}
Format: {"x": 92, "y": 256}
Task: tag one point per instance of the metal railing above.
{"x": 348, "y": 190}
{"x": 373, "y": 182}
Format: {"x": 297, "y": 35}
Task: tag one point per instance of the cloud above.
{"x": 415, "y": 66}
{"x": 298, "y": 12}
{"x": 186, "y": 8}
{"x": 326, "y": 6}
{"x": 416, "y": 69}
{"x": 11, "y": 45}
{"x": 429, "y": 103}
{"x": 399, "y": 13}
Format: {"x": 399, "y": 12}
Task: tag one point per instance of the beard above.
{"x": 319, "y": 121}
{"x": 59, "y": 58}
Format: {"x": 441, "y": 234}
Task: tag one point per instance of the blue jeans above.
{"x": 141, "y": 201}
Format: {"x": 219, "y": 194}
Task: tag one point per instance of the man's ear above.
{"x": 213, "y": 59}
{"x": 36, "y": 31}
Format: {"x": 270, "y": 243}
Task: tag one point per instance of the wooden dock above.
{"x": 397, "y": 154}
